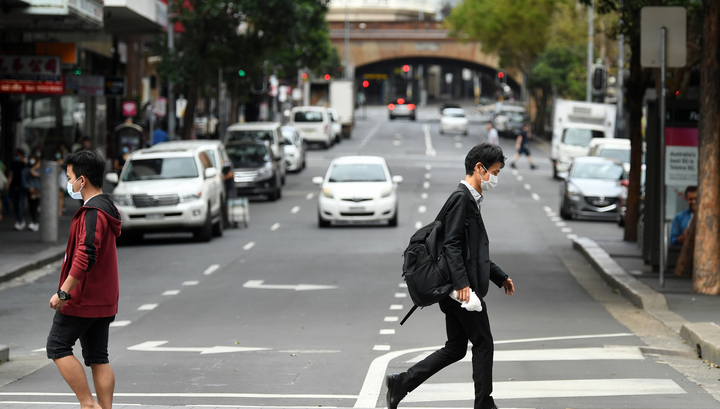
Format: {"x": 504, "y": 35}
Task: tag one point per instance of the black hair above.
{"x": 690, "y": 189}
{"x": 89, "y": 164}
{"x": 486, "y": 154}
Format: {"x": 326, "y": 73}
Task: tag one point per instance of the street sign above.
{"x": 161, "y": 107}
{"x": 180, "y": 106}
{"x": 297, "y": 94}
{"x": 154, "y": 346}
{"x": 114, "y": 86}
{"x": 273, "y": 86}
{"x": 129, "y": 108}
{"x": 90, "y": 85}
{"x": 297, "y": 287}
{"x": 30, "y": 67}
{"x": 652, "y": 19}
{"x": 283, "y": 93}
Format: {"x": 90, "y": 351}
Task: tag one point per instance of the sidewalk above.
{"x": 695, "y": 317}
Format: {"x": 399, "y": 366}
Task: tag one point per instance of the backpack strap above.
{"x": 412, "y": 310}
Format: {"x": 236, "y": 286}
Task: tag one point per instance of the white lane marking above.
{"x": 396, "y": 307}
{"x": 171, "y": 292}
{"x": 515, "y": 172}
{"x": 535, "y": 196}
{"x": 424, "y": 195}
{"x": 428, "y": 175}
{"x": 560, "y": 354}
{"x": 249, "y": 245}
{"x": 519, "y": 178}
{"x": 192, "y": 395}
{"x": 124, "y": 323}
{"x": 551, "y": 214}
{"x": 381, "y": 348}
{"x": 547, "y": 209}
{"x": 458, "y": 145}
{"x": 296, "y": 287}
{"x": 154, "y": 346}
{"x": 561, "y": 224}
{"x": 565, "y": 388}
{"x": 418, "y": 225}
{"x": 191, "y": 282}
{"x": 566, "y": 230}
{"x": 147, "y": 307}
{"x": 39, "y": 350}
{"x": 398, "y": 136}
{"x": 213, "y": 268}
{"x": 457, "y": 137}
{"x": 572, "y": 236}
{"x": 527, "y": 186}
{"x": 275, "y": 226}
{"x": 400, "y": 295}
{"x": 422, "y": 209}
{"x": 391, "y": 319}
{"x": 397, "y": 143}
{"x": 387, "y": 332}
{"x": 426, "y": 184}
{"x": 310, "y": 196}
{"x": 295, "y": 209}
{"x": 429, "y": 150}
{"x": 555, "y": 219}
{"x": 402, "y": 285}
{"x": 369, "y": 136}
{"x": 428, "y": 167}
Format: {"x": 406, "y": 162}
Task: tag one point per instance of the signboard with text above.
{"x": 681, "y": 156}
{"x": 90, "y": 85}
{"x": 114, "y": 86}
{"x": 30, "y": 67}
{"x": 32, "y": 87}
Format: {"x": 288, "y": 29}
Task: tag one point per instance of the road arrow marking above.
{"x": 297, "y": 287}
{"x": 154, "y": 346}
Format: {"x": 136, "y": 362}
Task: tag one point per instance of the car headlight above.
{"x": 123, "y": 200}
{"x": 573, "y": 191}
{"x": 190, "y": 196}
{"x": 327, "y": 192}
{"x": 565, "y": 161}
{"x": 265, "y": 172}
{"x": 386, "y": 191}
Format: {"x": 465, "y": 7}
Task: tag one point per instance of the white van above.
{"x": 261, "y": 132}
{"x": 575, "y": 124}
{"x": 313, "y": 124}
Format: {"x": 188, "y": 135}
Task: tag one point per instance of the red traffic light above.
{"x": 501, "y": 75}
{"x": 304, "y": 76}
{"x": 366, "y": 84}
{"x": 327, "y": 77}
{"x": 406, "y": 68}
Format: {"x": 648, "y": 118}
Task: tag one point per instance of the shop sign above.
{"x": 681, "y": 156}
{"x": 114, "y": 86}
{"x": 88, "y": 9}
{"x": 161, "y": 107}
{"x": 91, "y": 85}
{"x": 30, "y": 67}
{"x": 129, "y": 108}
{"x": 32, "y": 87}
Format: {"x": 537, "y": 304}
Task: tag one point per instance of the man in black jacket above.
{"x": 467, "y": 252}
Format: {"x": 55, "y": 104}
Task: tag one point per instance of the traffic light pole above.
{"x": 591, "y": 35}
{"x": 663, "y": 196}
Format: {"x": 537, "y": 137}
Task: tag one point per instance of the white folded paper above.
{"x": 473, "y": 305}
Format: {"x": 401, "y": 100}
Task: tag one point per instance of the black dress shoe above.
{"x": 394, "y": 393}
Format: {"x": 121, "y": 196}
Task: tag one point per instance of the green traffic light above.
{"x": 241, "y": 73}
{"x": 77, "y": 71}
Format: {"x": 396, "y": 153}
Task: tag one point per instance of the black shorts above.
{"x": 92, "y": 332}
{"x": 524, "y": 149}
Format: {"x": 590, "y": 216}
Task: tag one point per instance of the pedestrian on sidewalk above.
{"x": 492, "y": 137}
{"x": 18, "y": 191}
{"x": 522, "y": 144}
{"x": 682, "y": 220}
{"x": 31, "y": 181}
{"x": 87, "y": 299}
{"x": 468, "y": 259}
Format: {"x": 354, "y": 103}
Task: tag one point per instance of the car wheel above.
{"x": 278, "y": 194}
{"x": 620, "y": 221}
{"x": 564, "y": 214}
{"x": 217, "y": 229}
{"x": 322, "y": 223}
{"x": 465, "y": 133}
{"x": 413, "y": 118}
{"x": 555, "y": 172}
{"x": 338, "y": 138}
{"x": 204, "y": 233}
{"x": 394, "y": 221}
{"x": 442, "y": 132}
{"x": 392, "y": 117}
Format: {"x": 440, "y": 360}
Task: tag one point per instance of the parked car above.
{"x": 401, "y": 107}
{"x": 592, "y": 189}
{"x": 313, "y": 124}
{"x": 453, "y": 120}
{"x": 336, "y": 125}
{"x": 173, "y": 189}
{"x": 255, "y": 169}
{"x": 261, "y": 132}
{"x": 613, "y": 148}
{"x": 294, "y": 149}
{"x": 358, "y": 189}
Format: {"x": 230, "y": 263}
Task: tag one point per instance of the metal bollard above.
{"x": 49, "y": 201}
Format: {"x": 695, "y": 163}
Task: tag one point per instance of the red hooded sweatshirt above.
{"x": 91, "y": 257}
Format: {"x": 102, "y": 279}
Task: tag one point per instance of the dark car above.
{"x": 592, "y": 189}
{"x": 255, "y": 170}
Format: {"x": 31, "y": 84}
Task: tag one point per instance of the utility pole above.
{"x": 346, "y": 70}
{"x": 171, "y": 95}
{"x": 591, "y": 35}
{"x": 620, "y": 80}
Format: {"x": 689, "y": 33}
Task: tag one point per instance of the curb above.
{"x": 704, "y": 337}
{"x": 38, "y": 260}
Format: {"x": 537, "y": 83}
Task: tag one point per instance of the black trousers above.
{"x": 461, "y": 326}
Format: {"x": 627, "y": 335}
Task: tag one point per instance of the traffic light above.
{"x": 327, "y": 77}
{"x": 599, "y": 79}
{"x": 406, "y": 68}
{"x": 366, "y": 84}
{"x": 241, "y": 73}
{"x": 304, "y": 76}
{"x": 77, "y": 71}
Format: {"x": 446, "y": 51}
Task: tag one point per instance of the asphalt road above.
{"x": 225, "y": 323}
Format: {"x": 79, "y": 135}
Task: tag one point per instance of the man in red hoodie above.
{"x": 87, "y": 299}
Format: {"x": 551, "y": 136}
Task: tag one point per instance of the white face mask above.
{"x": 487, "y": 185}
{"x": 75, "y": 195}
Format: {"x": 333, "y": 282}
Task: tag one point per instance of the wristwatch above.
{"x": 63, "y": 295}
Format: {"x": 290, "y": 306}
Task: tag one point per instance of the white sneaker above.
{"x": 34, "y": 226}
{"x": 19, "y": 226}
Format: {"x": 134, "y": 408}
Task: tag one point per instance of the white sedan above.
{"x": 358, "y": 189}
{"x": 453, "y": 120}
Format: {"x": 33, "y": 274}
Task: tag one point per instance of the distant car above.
{"x": 255, "y": 170}
{"x": 358, "y": 189}
{"x": 592, "y": 189}
{"x": 260, "y": 132}
{"x": 401, "y": 108}
{"x": 448, "y": 105}
{"x": 613, "y": 148}
{"x": 515, "y": 124}
{"x": 336, "y": 125}
{"x": 453, "y": 120}
{"x": 294, "y": 149}
{"x": 501, "y": 117}
{"x": 313, "y": 124}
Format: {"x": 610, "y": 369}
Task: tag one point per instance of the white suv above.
{"x": 169, "y": 188}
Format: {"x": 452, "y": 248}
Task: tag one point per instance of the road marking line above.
{"x": 559, "y": 354}
{"x": 422, "y": 209}
{"x": 124, "y": 323}
{"x": 213, "y": 268}
{"x": 555, "y": 218}
{"x": 535, "y": 196}
{"x": 426, "y": 184}
{"x": 527, "y": 186}
{"x": 191, "y": 395}
{"x": 391, "y": 319}
{"x": 428, "y": 167}
{"x": 428, "y": 175}
{"x": 171, "y": 292}
{"x": 369, "y": 136}
{"x": 398, "y": 136}
{"x": 155, "y": 346}
{"x": 296, "y": 287}
{"x": 381, "y": 348}
{"x": 561, "y": 224}
{"x": 249, "y": 245}
{"x": 566, "y": 230}
{"x": 402, "y": 285}
{"x": 519, "y": 178}
{"x": 424, "y": 195}
{"x": 418, "y": 225}
{"x": 387, "y": 332}
{"x": 397, "y": 143}
{"x": 429, "y": 150}
{"x": 275, "y": 226}
{"x": 572, "y": 236}
{"x": 458, "y": 145}
{"x": 396, "y": 307}
{"x": 295, "y": 209}
{"x": 515, "y": 172}
{"x": 40, "y": 350}
{"x": 547, "y": 209}
{"x": 400, "y": 295}
{"x": 147, "y": 307}
{"x": 191, "y": 282}
{"x": 310, "y": 196}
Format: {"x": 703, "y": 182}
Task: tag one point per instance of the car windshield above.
{"x": 454, "y": 114}
{"x": 288, "y": 136}
{"x": 606, "y": 171}
{"x": 251, "y": 135}
{"x": 357, "y": 172}
{"x": 623, "y": 155}
{"x": 515, "y": 117}
{"x": 580, "y": 137}
{"x": 161, "y": 168}
{"x": 248, "y": 156}
{"x": 308, "y": 116}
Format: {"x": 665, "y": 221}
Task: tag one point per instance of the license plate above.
{"x": 242, "y": 184}
{"x": 599, "y": 203}
{"x": 309, "y": 130}
{"x": 356, "y": 208}
{"x": 154, "y": 216}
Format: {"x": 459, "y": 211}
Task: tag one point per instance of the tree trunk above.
{"x": 634, "y": 95}
{"x": 541, "y": 101}
{"x": 684, "y": 267}
{"x": 192, "y": 99}
{"x": 706, "y": 275}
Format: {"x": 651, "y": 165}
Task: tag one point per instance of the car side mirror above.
{"x": 112, "y": 178}
{"x": 397, "y": 179}
{"x": 317, "y": 180}
{"x": 210, "y": 173}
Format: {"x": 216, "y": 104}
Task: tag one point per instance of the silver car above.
{"x": 592, "y": 189}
